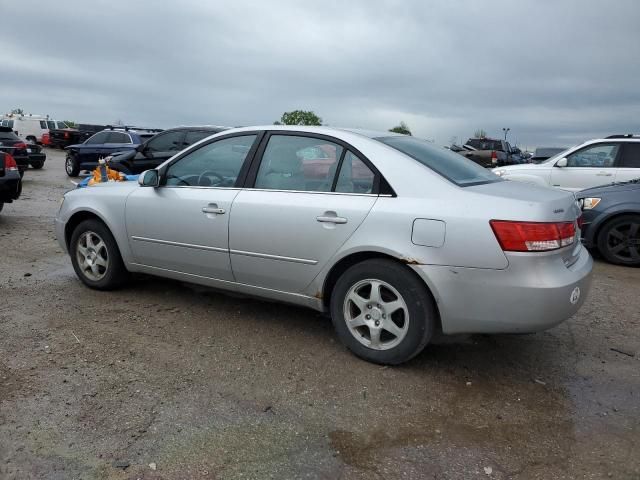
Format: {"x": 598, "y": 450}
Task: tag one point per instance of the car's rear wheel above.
{"x": 72, "y": 166}
{"x": 382, "y": 311}
{"x": 37, "y": 164}
{"x": 95, "y": 256}
{"x": 619, "y": 240}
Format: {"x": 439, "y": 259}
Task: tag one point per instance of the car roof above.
{"x": 213, "y": 128}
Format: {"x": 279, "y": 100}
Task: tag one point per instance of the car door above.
{"x": 159, "y": 149}
{"x": 591, "y": 166}
{"x": 182, "y": 225}
{"x": 295, "y": 216}
{"x": 629, "y": 162}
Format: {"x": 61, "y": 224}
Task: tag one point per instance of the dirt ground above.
{"x": 163, "y": 380}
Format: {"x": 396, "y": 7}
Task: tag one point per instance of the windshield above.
{"x": 450, "y": 165}
{"x": 557, "y": 156}
{"x": 8, "y": 136}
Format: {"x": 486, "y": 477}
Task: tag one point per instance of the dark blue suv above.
{"x": 85, "y": 156}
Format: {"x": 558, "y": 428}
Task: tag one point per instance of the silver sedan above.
{"x": 396, "y": 238}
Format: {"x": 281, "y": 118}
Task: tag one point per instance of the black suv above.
{"x": 23, "y": 153}
{"x": 161, "y": 147}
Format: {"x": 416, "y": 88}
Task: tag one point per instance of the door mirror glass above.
{"x": 562, "y": 162}
{"x": 149, "y": 178}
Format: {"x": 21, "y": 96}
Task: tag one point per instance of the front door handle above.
{"x": 331, "y": 219}
{"x": 213, "y": 209}
{"x": 604, "y": 174}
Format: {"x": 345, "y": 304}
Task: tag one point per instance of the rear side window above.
{"x": 298, "y": 163}
{"x": 450, "y": 165}
{"x": 485, "y": 144}
{"x": 630, "y": 156}
{"x": 355, "y": 176}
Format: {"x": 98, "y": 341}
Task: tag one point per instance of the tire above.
{"x": 100, "y": 251}
{"x": 1, "y": 206}
{"x": 31, "y": 138}
{"x": 37, "y": 164}
{"x": 71, "y": 166}
{"x": 619, "y": 240}
{"x": 413, "y": 323}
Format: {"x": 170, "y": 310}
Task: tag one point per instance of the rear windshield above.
{"x": 485, "y": 144}
{"x": 7, "y": 123}
{"x": 8, "y": 136}
{"x": 450, "y": 165}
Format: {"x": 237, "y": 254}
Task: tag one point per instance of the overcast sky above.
{"x": 555, "y": 72}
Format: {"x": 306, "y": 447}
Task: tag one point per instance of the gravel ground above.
{"x": 163, "y": 380}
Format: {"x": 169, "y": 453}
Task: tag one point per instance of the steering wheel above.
{"x": 203, "y": 174}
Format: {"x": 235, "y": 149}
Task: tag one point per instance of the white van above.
{"x": 30, "y": 127}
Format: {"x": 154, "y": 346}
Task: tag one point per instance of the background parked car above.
{"x": 489, "y": 152}
{"x": 160, "y": 148}
{"x": 85, "y": 156}
{"x": 594, "y": 163}
{"x": 10, "y": 181}
{"x": 64, "y": 136}
{"x": 611, "y": 217}
{"x": 544, "y": 153}
{"x": 23, "y": 153}
{"x": 30, "y": 127}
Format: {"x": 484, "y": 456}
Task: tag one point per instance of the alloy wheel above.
{"x": 623, "y": 242}
{"x": 376, "y": 314}
{"x": 92, "y": 256}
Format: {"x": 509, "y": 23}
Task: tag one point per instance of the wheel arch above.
{"x": 354, "y": 258}
{"x": 80, "y": 216}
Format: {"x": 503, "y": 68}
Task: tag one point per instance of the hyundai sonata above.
{"x": 396, "y": 238}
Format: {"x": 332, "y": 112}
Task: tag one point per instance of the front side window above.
{"x": 194, "y": 137}
{"x": 217, "y": 164}
{"x": 98, "y": 138}
{"x": 43, "y": 125}
{"x": 455, "y": 168}
{"x": 630, "y": 156}
{"x": 166, "y": 142}
{"x": 298, "y": 163}
{"x": 595, "y": 156}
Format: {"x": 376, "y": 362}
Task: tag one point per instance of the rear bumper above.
{"x": 10, "y": 187}
{"x": 530, "y": 295}
{"x": 37, "y": 158}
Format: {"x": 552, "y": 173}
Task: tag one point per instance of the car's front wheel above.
{"x": 72, "y": 166}
{"x": 382, "y": 311}
{"x": 95, "y": 256}
{"x": 619, "y": 240}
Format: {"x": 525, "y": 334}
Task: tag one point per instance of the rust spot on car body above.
{"x": 319, "y": 295}
{"x": 411, "y": 261}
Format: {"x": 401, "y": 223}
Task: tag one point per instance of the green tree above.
{"x": 299, "y": 117}
{"x": 71, "y": 123}
{"x": 17, "y": 111}
{"x": 402, "y": 128}
{"x": 480, "y": 133}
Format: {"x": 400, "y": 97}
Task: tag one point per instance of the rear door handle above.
{"x": 604, "y": 174}
{"x": 331, "y": 219}
{"x": 214, "y": 209}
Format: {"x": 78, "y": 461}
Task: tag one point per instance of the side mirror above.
{"x": 561, "y": 163}
{"x": 149, "y": 178}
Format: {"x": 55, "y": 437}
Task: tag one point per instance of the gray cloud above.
{"x": 556, "y": 73}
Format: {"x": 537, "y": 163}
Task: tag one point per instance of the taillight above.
{"x": 494, "y": 158}
{"x": 533, "y": 236}
{"x": 66, "y": 134}
{"x": 10, "y": 163}
{"x": 20, "y": 146}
